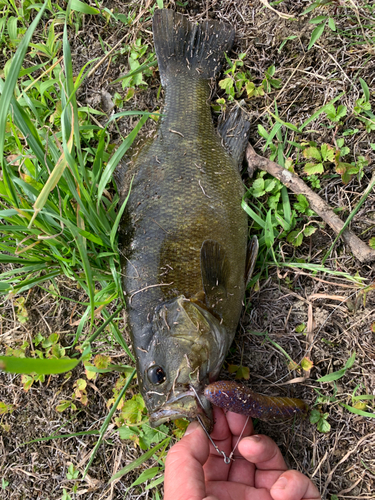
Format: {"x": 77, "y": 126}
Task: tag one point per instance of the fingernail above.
{"x": 280, "y": 483}
{"x": 255, "y": 438}
{"x": 192, "y": 427}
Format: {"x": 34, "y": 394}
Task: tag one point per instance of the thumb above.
{"x": 192, "y": 427}
{"x": 184, "y": 477}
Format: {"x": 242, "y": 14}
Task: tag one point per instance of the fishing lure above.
{"x": 237, "y": 398}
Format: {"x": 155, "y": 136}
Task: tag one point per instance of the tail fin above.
{"x": 184, "y": 48}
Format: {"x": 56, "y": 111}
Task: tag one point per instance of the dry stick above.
{"x": 359, "y": 249}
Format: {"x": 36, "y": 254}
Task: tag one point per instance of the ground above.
{"x": 338, "y": 314}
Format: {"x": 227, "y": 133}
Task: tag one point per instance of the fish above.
{"x": 184, "y": 243}
{"x": 233, "y": 396}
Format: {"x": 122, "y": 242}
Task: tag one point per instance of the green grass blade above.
{"x": 351, "y": 215}
{"x": 286, "y": 124}
{"x": 135, "y": 71}
{"x": 95, "y": 335}
{"x": 252, "y": 214}
{"x": 62, "y": 436}
{"x": 115, "y": 159}
{"x": 11, "y": 81}
{"x": 358, "y": 412}
{"x": 365, "y": 89}
{"x": 51, "y": 183}
{"x": 316, "y": 34}
{"x": 11, "y": 364}
{"x": 71, "y": 91}
{"x": 340, "y": 373}
{"x": 323, "y": 109}
{"x": 320, "y": 268}
{"x": 286, "y": 206}
{"x": 118, "y": 218}
{"x": 269, "y": 237}
{"x": 139, "y": 461}
{"x": 82, "y": 7}
{"x": 107, "y": 421}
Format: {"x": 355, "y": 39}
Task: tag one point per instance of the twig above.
{"x": 280, "y": 14}
{"x": 147, "y": 288}
{"x": 359, "y": 249}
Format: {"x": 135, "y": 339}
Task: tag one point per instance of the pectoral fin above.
{"x": 252, "y": 253}
{"x": 215, "y": 273}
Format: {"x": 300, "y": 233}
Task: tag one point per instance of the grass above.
{"x": 60, "y": 213}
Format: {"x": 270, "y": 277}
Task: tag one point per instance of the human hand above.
{"x": 195, "y": 471}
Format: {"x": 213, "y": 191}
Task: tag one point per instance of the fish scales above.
{"x": 184, "y": 234}
{"x": 185, "y": 190}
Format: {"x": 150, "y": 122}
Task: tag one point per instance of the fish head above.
{"x": 186, "y": 352}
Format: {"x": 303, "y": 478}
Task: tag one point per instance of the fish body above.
{"x": 184, "y": 234}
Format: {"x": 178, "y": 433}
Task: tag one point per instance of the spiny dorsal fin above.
{"x": 215, "y": 273}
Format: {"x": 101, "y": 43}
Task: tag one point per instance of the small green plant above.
{"x": 321, "y": 420}
{"x": 28, "y": 380}
{"x": 17, "y": 352}
{"x": 4, "y": 483}
{"x": 335, "y": 114}
{"x": 72, "y": 473}
{"x": 238, "y": 82}
{"x": 362, "y": 108}
{"x": 340, "y": 373}
{"x": 22, "y": 314}
{"x": 51, "y": 346}
{"x": 269, "y": 83}
{"x": 66, "y": 404}
{"x": 326, "y": 155}
{"x": 138, "y": 70}
{"x": 133, "y": 424}
{"x": 242, "y": 372}
{"x": 301, "y": 328}
{"x": 314, "y": 181}
{"x": 320, "y": 21}
{"x": 6, "y": 408}
{"x": 65, "y": 495}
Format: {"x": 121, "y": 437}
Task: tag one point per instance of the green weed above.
{"x": 237, "y": 82}
{"x": 321, "y": 420}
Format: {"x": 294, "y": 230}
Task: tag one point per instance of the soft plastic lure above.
{"x": 235, "y": 397}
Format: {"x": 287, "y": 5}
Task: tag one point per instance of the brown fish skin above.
{"x": 238, "y": 398}
{"x": 184, "y": 234}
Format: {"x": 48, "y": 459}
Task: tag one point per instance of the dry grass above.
{"x": 342, "y": 461}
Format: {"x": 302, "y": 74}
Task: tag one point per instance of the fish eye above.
{"x": 156, "y": 375}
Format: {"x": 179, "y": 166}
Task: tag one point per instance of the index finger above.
{"x": 227, "y": 429}
{"x": 263, "y": 452}
{"x": 184, "y": 477}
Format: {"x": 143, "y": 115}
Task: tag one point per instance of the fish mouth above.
{"x": 185, "y": 404}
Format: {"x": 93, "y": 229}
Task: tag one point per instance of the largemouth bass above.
{"x": 184, "y": 234}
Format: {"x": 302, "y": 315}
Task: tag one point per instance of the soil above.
{"x": 341, "y": 461}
